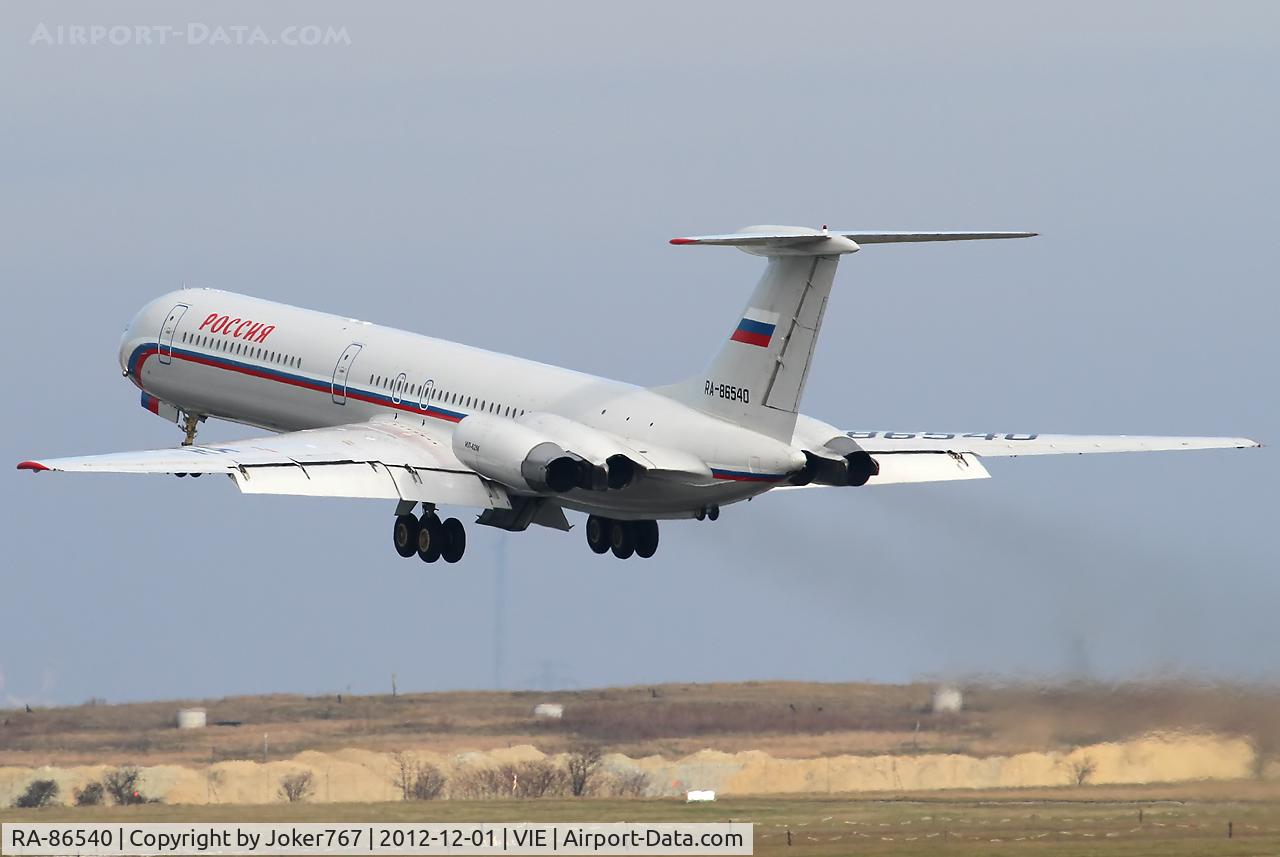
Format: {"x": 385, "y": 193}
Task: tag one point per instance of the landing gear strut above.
{"x": 190, "y": 424}
{"x": 624, "y": 538}
{"x": 428, "y": 537}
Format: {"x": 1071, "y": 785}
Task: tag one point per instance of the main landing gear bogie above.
{"x": 624, "y": 538}
{"x": 429, "y": 538}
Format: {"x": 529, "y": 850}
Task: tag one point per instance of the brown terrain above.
{"x": 748, "y": 738}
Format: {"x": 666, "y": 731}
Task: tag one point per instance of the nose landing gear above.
{"x": 624, "y": 538}
{"x": 189, "y": 427}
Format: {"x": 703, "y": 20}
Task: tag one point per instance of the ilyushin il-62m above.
{"x": 360, "y": 410}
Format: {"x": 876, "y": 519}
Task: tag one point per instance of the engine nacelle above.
{"x": 610, "y": 465}
{"x": 835, "y": 459}
{"x": 516, "y": 455}
{"x": 830, "y": 468}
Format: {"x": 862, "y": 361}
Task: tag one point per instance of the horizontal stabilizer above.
{"x": 803, "y": 241}
{"x": 918, "y": 237}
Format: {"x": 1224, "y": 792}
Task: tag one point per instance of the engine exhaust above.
{"x": 622, "y": 471}
{"x": 861, "y": 467}
{"x": 561, "y": 474}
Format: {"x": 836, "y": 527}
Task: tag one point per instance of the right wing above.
{"x": 991, "y": 445}
{"x": 937, "y": 456}
{"x": 384, "y": 458}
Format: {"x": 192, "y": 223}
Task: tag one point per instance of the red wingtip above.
{"x": 31, "y": 465}
{"x": 683, "y": 241}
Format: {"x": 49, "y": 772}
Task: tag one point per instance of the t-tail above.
{"x": 757, "y": 378}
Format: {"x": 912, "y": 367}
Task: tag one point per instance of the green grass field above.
{"x": 1003, "y": 823}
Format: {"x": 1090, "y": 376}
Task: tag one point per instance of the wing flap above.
{"x": 927, "y": 467}
{"x": 371, "y": 481}
{"x": 463, "y": 489}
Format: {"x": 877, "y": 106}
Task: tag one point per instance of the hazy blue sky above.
{"x": 507, "y": 176}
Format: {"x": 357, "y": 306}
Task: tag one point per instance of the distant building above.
{"x": 947, "y": 700}
{"x": 191, "y": 718}
{"x": 549, "y": 711}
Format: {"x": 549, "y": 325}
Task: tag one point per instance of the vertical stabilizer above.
{"x": 757, "y": 377}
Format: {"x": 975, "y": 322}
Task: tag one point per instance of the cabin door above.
{"x": 167, "y": 330}
{"x": 342, "y": 370}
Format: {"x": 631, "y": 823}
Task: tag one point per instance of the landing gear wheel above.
{"x": 646, "y": 535}
{"x": 622, "y": 539}
{"x": 455, "y": 540}
{"x": 430, "y": 538}
{"x": 713, "y": 513}
{"x": 598, "y": 534}
{"x": 405, "y": 535}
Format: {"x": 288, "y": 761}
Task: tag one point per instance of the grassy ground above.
{"x": 1081, "y": 821}
{"x": 785, "y": 719}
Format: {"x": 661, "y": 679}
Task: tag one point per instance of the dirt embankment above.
{"x": 367, "y": 776}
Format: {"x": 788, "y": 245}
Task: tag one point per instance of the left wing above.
{"x": 384, "y": 458}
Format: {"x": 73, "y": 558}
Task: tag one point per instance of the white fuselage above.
{"x": 284, "y": 368}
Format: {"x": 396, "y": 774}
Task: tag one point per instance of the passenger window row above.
{"x": 243, "y": 349}
{"x": 428, "y": 394}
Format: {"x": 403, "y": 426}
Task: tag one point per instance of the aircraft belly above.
{"x": 658, "y": 500}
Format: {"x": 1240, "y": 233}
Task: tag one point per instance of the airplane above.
{"x": 362, "y": 410}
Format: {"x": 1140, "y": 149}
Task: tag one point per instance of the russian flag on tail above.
{"x": 756, "y": 327}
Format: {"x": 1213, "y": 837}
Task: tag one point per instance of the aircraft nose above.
{"x": 129, "y": 340}
{"x": 123, "y": 355}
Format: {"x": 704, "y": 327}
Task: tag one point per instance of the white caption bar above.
{"x": 119, "y": 840}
